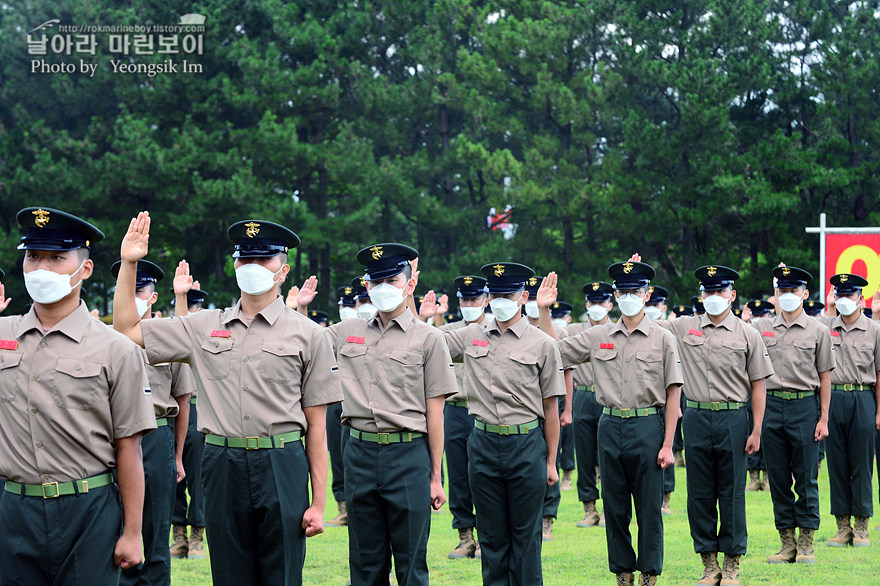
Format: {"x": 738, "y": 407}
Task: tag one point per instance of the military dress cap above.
{"x": 630, "y": 274}
{"x": 715, "y": 277}
{"x": 451, "y": 317}
{"x": 147, "y": 273}
{"x": 259, "y": 238}
{"x": 360, "y": 289}
{"x": 598, "y": 291}
{"x": 383, "y": 261}
{"x": 470, "y": 286}
{"x": 791, "y": 277}
{"x": 869, "y": 313}
{"x": 193, "y": 296}
{"x": 318, "y": 316}
{"x": 51, "y": 229}
{"x": 697, "y": 304}
{"x": 738, "y": 312}
{"x": 847, "y": 283}
{"x": 533, "y": 283}
{"x": 759, "y": 307}
{"x": 560, "y": 309}
{"x": 813, "y": 307}
{"x": 506, "y": 277}
{"x": 658, "y": 295}
{"x": 680, "y": 310}
{"x": 346, "y": 296}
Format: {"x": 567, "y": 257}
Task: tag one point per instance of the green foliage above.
{"x": 691, "y": 132}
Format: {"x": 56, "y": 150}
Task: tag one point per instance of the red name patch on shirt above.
{"x": 606, "y": 346}
{"x": 768, "y": 334}
{"x": 221, "y": 333}
{"x": 481, "y": 343}
{"x": 355, "y": 340}
{"x": 696, "y": 332}
{"x": 8, "y": 344}
{"x": 835, "y": 334}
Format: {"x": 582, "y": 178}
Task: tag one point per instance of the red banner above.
{"x": 857, "y": 254}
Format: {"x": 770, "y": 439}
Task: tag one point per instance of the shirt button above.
{"x": 250, "y": 332}
{"x": 244, "y": 388}
{"x": 375, "y": 381}
{"x": 77, "y": 368}
{"x": 281, "y": 347}
{"x": 45, "y": 477}
{"x": 42, "y": 344}
{"x": 247, "y": 416}
{"x": 39, "y": 444}
{"x": 36, "y": 377}
{"x": 245, "y": 359}
{"x": 216, "y": 344}
{"x": 33, "y": 410}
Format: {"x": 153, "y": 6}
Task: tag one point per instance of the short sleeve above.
{"x": 131, "y": 406}
{"x": 575, "y": 350}
{"x": 551, "y": 378}
{"x": 182, "y": 380}
{"x": 320, "y": 379}
{"x": 825, "y": 360}
{"x": 439, "y": 373}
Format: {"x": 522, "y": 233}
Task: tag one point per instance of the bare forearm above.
{"x": 181, "y": 423}
{"x": 130, "y": 470}
{"x": 824, "y": 394}
{"x": 759, "y": 403}
{"x": 316, "y": 453}
{"x": 125, "y": 316}
{"x": 434, "y": 417}
{"x": 180, "y": 305}
{"x": 671, "y": 413}
{"x": 551, "y": 428}
{"x": 545, "y": 322}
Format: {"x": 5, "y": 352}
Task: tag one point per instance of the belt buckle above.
{"x": 51, "y": 496}
{"x": 848, "y": 387}
{"x": 249, "y": 445}
{"x": 715, "y": 405}
{"x": 383, "y": 438}
{"x": 786, "y": 395}
{"x": 626, "y": 413}
{"x": 504, "y": 429}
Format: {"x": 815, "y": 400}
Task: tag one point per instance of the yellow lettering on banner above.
{"x": 859, "y": 252}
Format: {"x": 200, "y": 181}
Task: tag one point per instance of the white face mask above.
{"x": 346, "y": 312}
{"x": 386, "y": 297}
{"x": 846, "y": 306}
{"x": 46, "y": 287}
{"x": 367, "y": 311}
{"x": 471, "y": 314}
{"x": 790, "y": 302}
{"x": 630, "y": 304}
{"x": 142, "y": 305}
{"x": 597, "y": 312}
{"x": 503, "y": 308}
{"x": 716, "y": 304}
{"x": 254, "y": 279}
{"x": 559, "y": 323}
{"x": 531, "y": 309}
{"x": 653, "y": 312}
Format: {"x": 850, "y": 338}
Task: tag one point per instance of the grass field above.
{"x": 578, "y": 556}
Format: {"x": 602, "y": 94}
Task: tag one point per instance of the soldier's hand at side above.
{"x": 135, "y": 243}
{"x": 4, "y": 303}
{"x": 552, "y": 474}
{"x": 547, "y": 293}
{"x": 566, "y": 417}
{"x": 665, "y": 458}
{"x": 438, "y": 497}
{"x": 128, "y": 551}
{"x": 183, "y": 281}
{"x": 308, "y": 291}
{"x": 877, "y": 421}
{"x": 181, "y": 473}
{"x": 313, "y": 521}
{"x": 753, "y": 444}
{"x": 821, "y": 431}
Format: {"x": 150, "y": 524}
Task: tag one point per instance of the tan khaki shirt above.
{"x": 254, "y": 379}
{"x": 630, "y": 370}
{"x": 388, "y": 375}
{"x": 167, "y": 382}
{"x": 66, "y": 396}
{"x": 582, "y": 373}
{"x": 460, "y": 376}
{"x": 798, "y": 351}
{"x": 509, "y": 372}
{"x": 856, "y": 351}
{"x": 719, "y": 362}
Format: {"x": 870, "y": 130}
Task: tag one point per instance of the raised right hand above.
{"x": 135, "y": 243}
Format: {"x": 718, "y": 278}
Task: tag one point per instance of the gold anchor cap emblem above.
{"x": 42, "y": 218}
{"x": 499, "y": 270}
{"x": 786, "y": 271}
{"x": 252, "y": 229}
{"x": 712, "y": 271}
{"x": 348, "y": 290}
{"x": 596, "y": 286}
{"x": 377, "y": 252}
{"x": 468, "y": 280}
{"x": 844, "y": 278}
{"x": 627, "y": 267}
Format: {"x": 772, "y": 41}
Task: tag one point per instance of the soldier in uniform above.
{"x": 319, "y": 317}
{"x": 396, "y": 376}
{"x": 459, "y": 424}
{"x": 190, "y": 513}
{"x": 365, "y": 309}
{"x": 255, "y": 469}
{"x": 813, "y": 308}
{"x": 170, "y": 388}
{"x": 796, "y": 416}
{"x": 586, "y": 410}
{"x": 724, "y": 363}
{"x": 514, "y": 379}
{"x": 560, "y": 315}
{"x": 655, "y": 307}
{"x": 853, "y": 415}
{"x": 680, "y": 310}
{"x": 638, "y": 382}
{"x": 347, "y": 303}
{"x": 74, "y": 403}
{"x": 757, "y": 308}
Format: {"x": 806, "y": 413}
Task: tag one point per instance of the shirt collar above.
{"x": 518, "y": 328}
{"x": 643, "y": 326}
{"x": 403, "y": 321}
{"x": 270, "y": 313}
{"x": 861, "y": 323}
{"x": 73, "y": 325}
{"x": 801, "y": 320}
{"x": 728, "y": 322}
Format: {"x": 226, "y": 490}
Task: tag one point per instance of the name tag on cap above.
{"x": 481, "y": 343}
{"x": 8, "y": 344}
{"x": 768, "y": 334}
{"x": 835, "y": 334}
{"x": 221, "y": 333}
{"x": 605, "y": 346}
{"x": 355, "y": 339}
{"x": 696, "y": 332}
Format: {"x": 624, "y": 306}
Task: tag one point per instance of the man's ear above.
{"x": 524, "y": 298}
{"x": 87, "y": 269}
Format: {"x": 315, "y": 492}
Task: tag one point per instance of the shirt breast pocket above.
{"x": 10, "y": 375}
{"x": 77, "y": 384}
{"x": 804, "y": 352}
{"x": 650, "y": 367}
{"x": 863, "y": 355}
{"x": 692, "y": 347}
{"x": 525, "y": 368}
{"x": 352, "y": 361}
{"x": 280, "y": 362}
{"x": 216, "y": 356}
{"x": 407, "y": 369}
{"x": 734, "y": 355}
